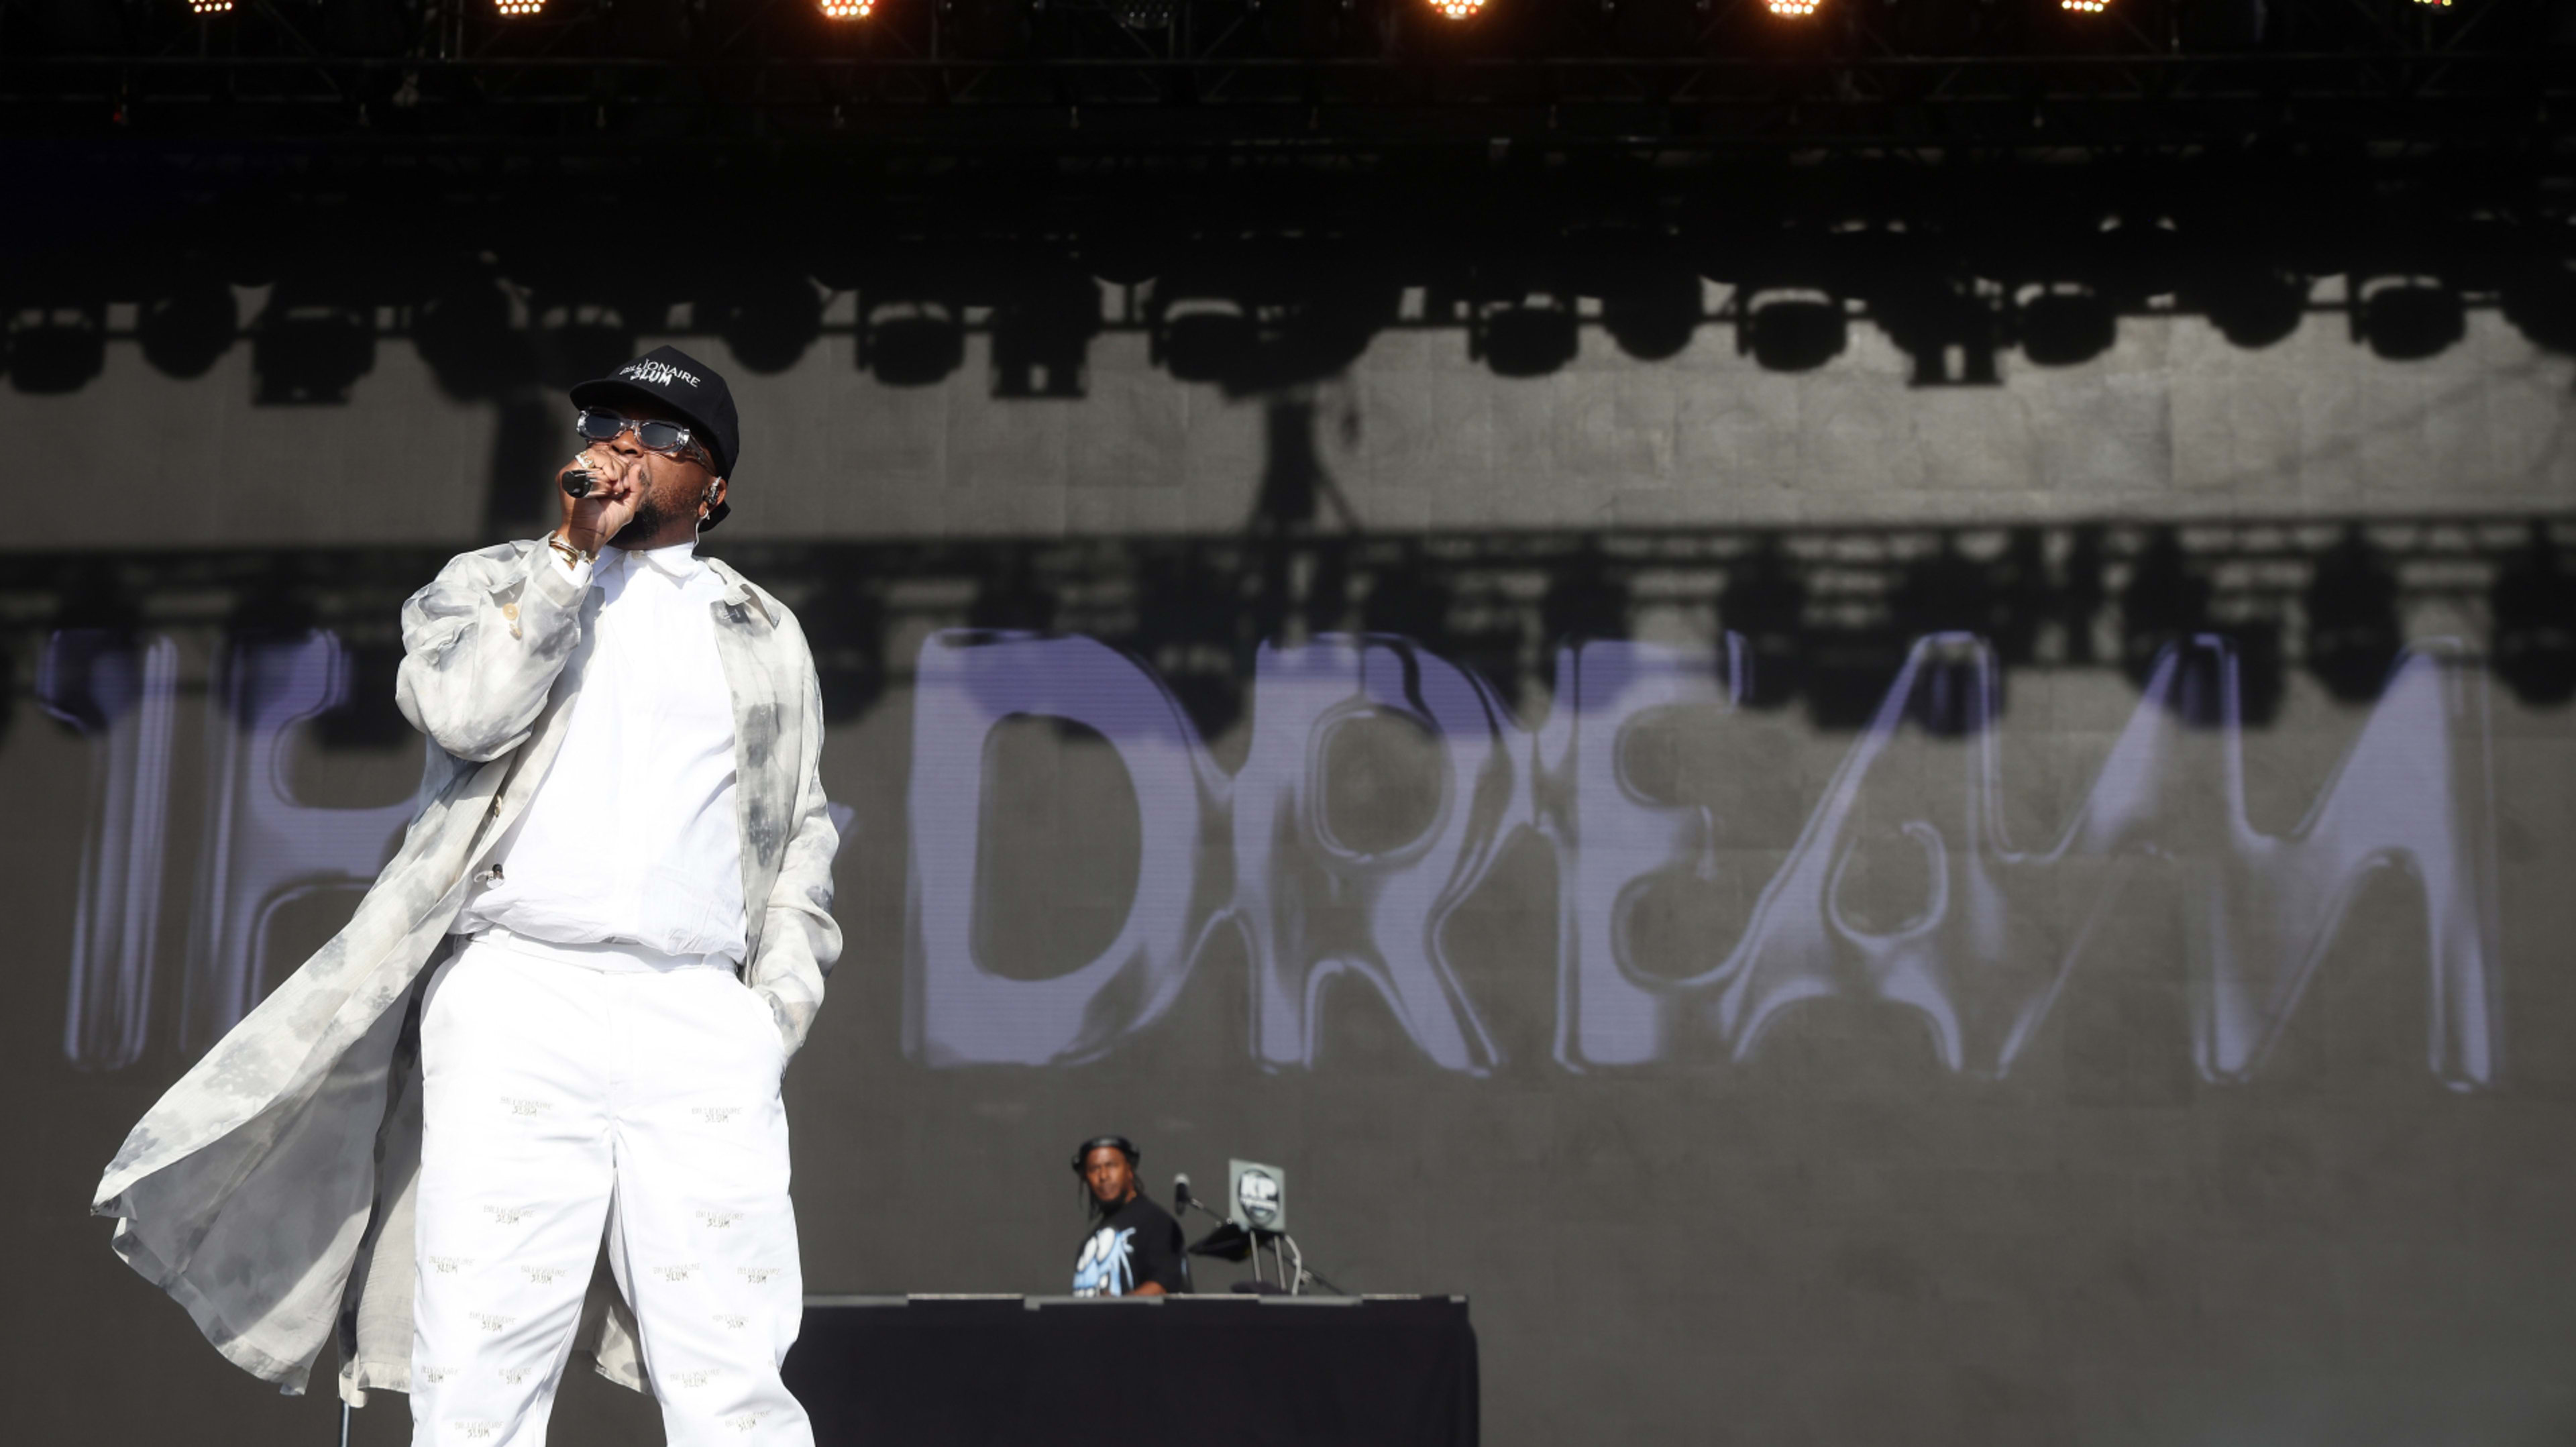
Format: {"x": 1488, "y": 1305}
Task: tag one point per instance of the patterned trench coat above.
{"x": 270, "y": 1191}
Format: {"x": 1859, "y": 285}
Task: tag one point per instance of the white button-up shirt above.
{"x": 631, "y": 838}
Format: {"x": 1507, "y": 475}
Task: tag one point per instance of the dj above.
{"x": 1134, "y": 1248}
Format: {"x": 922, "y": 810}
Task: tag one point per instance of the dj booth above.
{"x": 1245, "y": 1371}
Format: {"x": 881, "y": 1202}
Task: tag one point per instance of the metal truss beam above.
{"x": 1228, "y": 74}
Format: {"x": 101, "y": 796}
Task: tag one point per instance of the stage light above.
{"x": 209, "y": 7}
{"x": 584, "y": 338}
{"x": 848, "y": 9}
{"x": 2434, "y": 4}
{"x": 1791, "y": 8}
{"x": 308, "y": 353}
{"x": 2534, "y": 607}
{"x": 185, "y": 332}
{"x": 2084, "y": 7}
{"x": 1329, "y": 325}
{"x": 2064, "y": 328}
{"x": 1458, "y": 9}
{"x": 2252, "y": 304}
{"x": 462, "y": 331}
{"x": 1652, "y": 312}
{"x": 1650, "y": 294}
{"x": 518, "y": 7}
{"x": 911, "y": 341}
{"x": 1764, "y": 603}
{"x": 1795, "y": 333}
{"x": 55, "y": 350}
{"x": 2540, "y": 301}
{"x": 2409, "y": 320}
{"x": 1202, "y": 338}
{"x": 1042, "y": 332}
{"x": 2354, "y": 626}
{"x": 1527, "y": 338}
{"x": 769, "y": 316}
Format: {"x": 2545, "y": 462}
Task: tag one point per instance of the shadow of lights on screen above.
{"x": 306, "y": 353}
{"x": 2408, "y": 318}
{"x": 911, "y": 340}
{"x": 57, "y": 349}
{"x": 1529, "y": 337}
{"x": 1795, "y": 331}
{"x": 185, "y": 332}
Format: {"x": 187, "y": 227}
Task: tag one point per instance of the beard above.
{"x": 650, "y": 518}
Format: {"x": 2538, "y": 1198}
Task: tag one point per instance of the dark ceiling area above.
{"x": 1261, "y": 189}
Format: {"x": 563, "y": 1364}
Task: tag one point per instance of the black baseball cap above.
{"x": 1119, "y": 1143}
{"x": 687, "y": 386}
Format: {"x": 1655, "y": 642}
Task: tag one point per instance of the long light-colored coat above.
{"x": 270, "y": 1191}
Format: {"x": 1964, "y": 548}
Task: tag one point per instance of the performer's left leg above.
{"x": 709, "y": 1255}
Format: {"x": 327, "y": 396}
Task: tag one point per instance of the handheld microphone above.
{"x": 577, "y": 482}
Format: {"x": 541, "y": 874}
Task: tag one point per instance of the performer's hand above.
{"x": 617, "y": 486}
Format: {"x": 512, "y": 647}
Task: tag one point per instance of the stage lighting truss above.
{"x": 1318, "y": 71}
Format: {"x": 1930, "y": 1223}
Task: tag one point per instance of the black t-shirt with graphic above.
{"x": 1137, "y": 1243}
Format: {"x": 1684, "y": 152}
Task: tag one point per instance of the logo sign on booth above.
{"x": 1259, "y": 1194}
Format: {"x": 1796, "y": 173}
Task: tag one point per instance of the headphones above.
{"x": 1120, "y": 1143}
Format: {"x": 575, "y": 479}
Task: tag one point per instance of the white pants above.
{"x": 571, "y": 1092}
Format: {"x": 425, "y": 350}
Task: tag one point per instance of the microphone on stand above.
{"x": 1183, "y": 1202}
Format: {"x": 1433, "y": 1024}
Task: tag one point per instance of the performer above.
{"x": 539, "y": 1069}
{"x": 1134, "y": 1248}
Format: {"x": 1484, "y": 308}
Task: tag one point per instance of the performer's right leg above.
{"x": 515, "y": 1177}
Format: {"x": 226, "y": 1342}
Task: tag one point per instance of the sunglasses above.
{"x": 667, "y": 438}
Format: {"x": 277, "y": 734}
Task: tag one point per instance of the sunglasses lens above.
{"x": 661, "y": 436}
{"x": 599, "y": 426}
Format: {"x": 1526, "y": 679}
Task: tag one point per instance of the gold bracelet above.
{"x": 571, "y": 555}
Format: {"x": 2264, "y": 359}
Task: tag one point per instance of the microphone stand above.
{"x": 1283, "y": 1247}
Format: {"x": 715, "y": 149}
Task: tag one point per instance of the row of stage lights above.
{"x": 1450, "y": 9}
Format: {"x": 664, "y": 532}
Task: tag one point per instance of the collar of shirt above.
{"x": 677, "y": 563}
